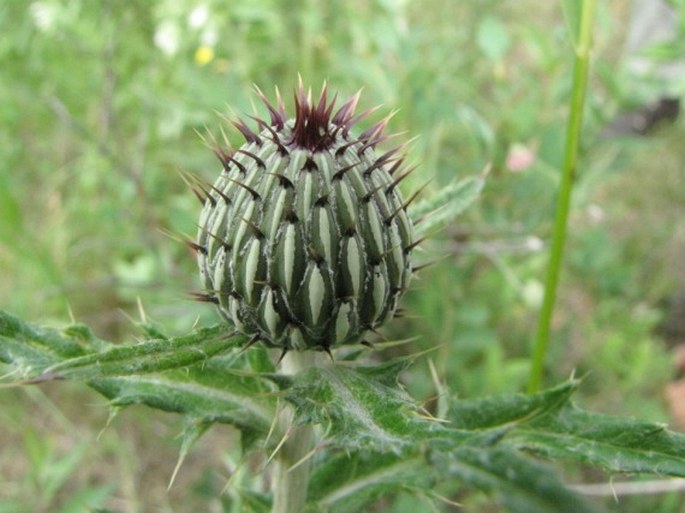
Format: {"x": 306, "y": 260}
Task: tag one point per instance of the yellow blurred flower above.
{"x": 204, "y": 55}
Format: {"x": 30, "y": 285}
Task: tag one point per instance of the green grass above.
{"x": 96, "y": 123}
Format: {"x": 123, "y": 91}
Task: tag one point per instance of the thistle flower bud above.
{"x": 304, "y": 241}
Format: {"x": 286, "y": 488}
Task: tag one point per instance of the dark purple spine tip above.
{"x": 254, "y": 157}
{"x": 204, "y": 298}
{"x": 196, "y": 247}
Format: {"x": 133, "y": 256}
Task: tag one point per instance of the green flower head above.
{"x": 304, "y": 241}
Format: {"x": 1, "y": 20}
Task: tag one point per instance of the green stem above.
{"x": 580, "y": 73}
{"x": 291, "y": 475}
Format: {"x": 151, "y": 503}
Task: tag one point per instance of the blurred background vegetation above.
{"x": 101, "y": 102}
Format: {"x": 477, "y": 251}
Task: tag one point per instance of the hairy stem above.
{"x": 580, "y": 73}
{"x": 291, "y": 475}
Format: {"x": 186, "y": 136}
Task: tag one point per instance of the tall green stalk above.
{"x": 582, "y": 44}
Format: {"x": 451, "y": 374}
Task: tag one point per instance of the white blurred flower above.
{"x": 198, "y": 16}
{"x": 209, "y": 36}
{"x": 167, "y": 37}
{"x": 533, "y": 292}
{"x": 534, "y": 243}
{"x": 44, "y": 15}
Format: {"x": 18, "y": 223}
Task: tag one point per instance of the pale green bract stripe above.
{"x": 342, "y": 322}
{"x": 316, "y": 293}
{"x": 243, "y": 224}
{"x": 277, "y": 213}
{"x": 379, "y": 291}
{"x": 289, "y": 256}
{"x": 270, "y": 315}
{"x": 347, "y": 200}
{"x": 353, "y": 264}
{"x": 324, "y": 228}
{"x": 297, "y": 160}
{"x": 251, "y": 267}
{"x": 374, "y": 225}
{"x": 307, "y": 203}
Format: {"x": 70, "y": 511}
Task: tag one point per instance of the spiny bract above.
{"x": 304, "y": 240}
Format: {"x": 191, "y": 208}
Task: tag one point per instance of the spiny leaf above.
{"x": 496, "y": 411}
{"x": 387, "y": 373}
{"x": 151, "y": 356}
{"x": 447, "y": 204}
{"x": 611, "y": 443}
{"x": 348, "y": 482}
{"x": 365, "y": 412}
{"x": 191, "y": 434}
{"x": 207, "y": 393}
{"x": 548, "y": 424}
{"x": 173, "y": 374}
{"x": 33, "y": 348}
{"x": 521, "y": 485}
{"x": 362, "y": 409}
{"x": 74, "y": 352}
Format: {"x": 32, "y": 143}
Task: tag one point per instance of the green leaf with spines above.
{"x": 364, "y": 411}
{"x": 347, "y": 482}
{"x": 490, "y": 412}
{"x": 171, "y": 374}
{"x": 381, "y": 429}
{"x": 522, "y": 485}
{"x": 612, "y": 443}
{"x": 361, "y": 410}
{"x": 548, "y": 424}
{"x": 208, "y": 393}
{"x": 446, "y": 205}
{"x": 33, "y": 348}
{"x": 75, "y": 352}
{"x": 151, "y": 356}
